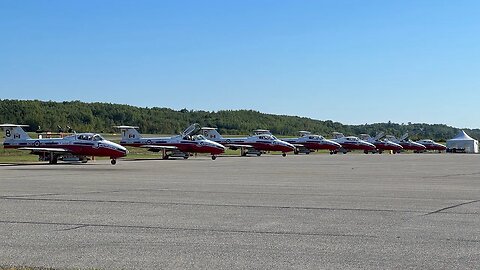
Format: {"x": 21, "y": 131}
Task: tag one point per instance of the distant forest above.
{"x": 100, "y": 117}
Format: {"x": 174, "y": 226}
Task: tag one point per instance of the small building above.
{"x": 462, "y": 143}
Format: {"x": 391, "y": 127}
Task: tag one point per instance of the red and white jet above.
{"x": 382, "y": 145}
{"x": 258, "y": 143}
{"x": 352, "y": 143}
{"x": 431, "y": 145}
{"x": 78, "y": 146}
{"x": 180, "y": 145}
{"x": 407, "y": 144}
{"x": 308, "y": 142}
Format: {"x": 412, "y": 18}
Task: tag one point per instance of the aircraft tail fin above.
{"x": 14, "y": 132}
{"x": 379, "y": 136}
{"x": 365, "y": 137}
{"x": 211, "y": 133}
{"x": 304, "y": 133}
{"x": 129, "y": 132}
{"x": 404, "y": 137}
{"x": 338, "y": 135}
{"x": 391, "y": 138}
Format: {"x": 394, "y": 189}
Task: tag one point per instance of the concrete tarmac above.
{"x": 351, "y": 211}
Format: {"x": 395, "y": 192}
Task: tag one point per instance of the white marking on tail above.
{"x": 211, "y": 133}
{"x": 14, "y": 132}
{"x": 129, "y": 133}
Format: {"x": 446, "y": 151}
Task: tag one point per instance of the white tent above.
{"x": 462, "y": 142}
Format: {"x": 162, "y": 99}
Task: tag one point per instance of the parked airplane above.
{"x": 308, "y": 142}
{"x": 76, "y": 147}
{"x": 352, "y": 143}
{"x": 407, "y": 144}
{"x": 431, "y": 145}
{"x": 382, "y": 145}
{"x": 264, "y": 141}
{"x": 182, "y": 144}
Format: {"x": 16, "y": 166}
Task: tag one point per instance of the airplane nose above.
{"x": 289, "y": 145}
{"x": 121, "y": 148}
{"x": 217, "y": 145}
{"x": 335, "y": 144}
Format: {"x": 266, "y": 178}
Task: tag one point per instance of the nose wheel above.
{"x": 284, "y": 154}
{"x": 113, "y": 161}
{"x": 214, "y": 157}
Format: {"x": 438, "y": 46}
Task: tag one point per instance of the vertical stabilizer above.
{"x": 379, "y": 136}
{"x": 211, "y": 133}
{"x": 338, "y": 135}
{"x": 366, "y": 137}
{"x": 129, "y": 133}
{"x": 14, "y": 132}
{"x": 404, "y": 137}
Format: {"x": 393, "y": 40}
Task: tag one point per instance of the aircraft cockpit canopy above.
{"x": 90, "y": 137}
{"x": 266, "y": 137}
{"x": 97, "y": 137}
{"x": 199, "y": 138}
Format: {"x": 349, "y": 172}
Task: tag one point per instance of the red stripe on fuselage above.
{"x": 187, "y": 148}
{"x": 80, "y": 150}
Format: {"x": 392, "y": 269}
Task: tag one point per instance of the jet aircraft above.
{"x": 407, "y": 144}
{"x": 258, "y": 143}
{"x": 352, "y": 143}
{"x": 78, "y": 146}
{"x": 182, "y": 144}
{"x": 431, "y": 145}
{"x": 382, "y": 145}
{"x": 308, "y": 142}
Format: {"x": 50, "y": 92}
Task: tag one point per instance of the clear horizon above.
{"x": 352, "y": 62}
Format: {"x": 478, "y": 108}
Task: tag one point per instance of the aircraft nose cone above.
{"x": 335, "y": 144}
{"x": 120, "y": 148}
{"x": 289, "y": 145}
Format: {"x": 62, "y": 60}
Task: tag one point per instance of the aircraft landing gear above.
{"x": 284, "y": 154}
{"x": 53, "y": 159}
{"x": 214, "y": 157}
{"x": 331, "y": 153}
{"x": 113, "y": 161}
{"x": 365, "y": 151}
{"x": 295, "y": 152}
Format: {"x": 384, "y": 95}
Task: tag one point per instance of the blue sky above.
{"x": 354, "y": 62}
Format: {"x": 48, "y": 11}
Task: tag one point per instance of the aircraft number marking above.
{"x": 8, "y": 133}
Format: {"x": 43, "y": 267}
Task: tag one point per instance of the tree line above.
{"x": 101, "y": 117}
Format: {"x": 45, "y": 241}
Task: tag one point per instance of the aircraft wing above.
{"x": 159, "y": 147}
{"x": 45, "y": 150}
{"x": 298, "y": 145}
{"x": 239, "y": 146}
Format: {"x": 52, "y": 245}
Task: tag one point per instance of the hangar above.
{"x": 462, "y": 143}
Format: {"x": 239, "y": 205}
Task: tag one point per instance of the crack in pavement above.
{"x": 83, "y": 225}
{"x": 215, "y": 205}
{"x": 450, "y": 207}
{"x": 73, "y": 228}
